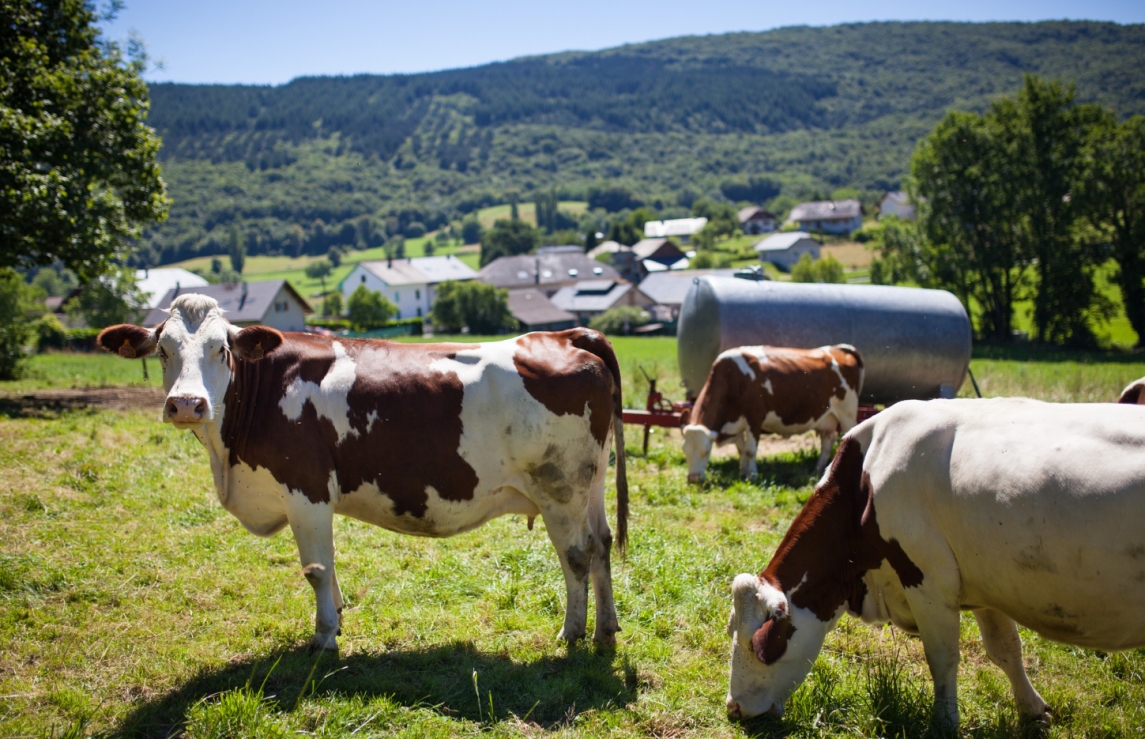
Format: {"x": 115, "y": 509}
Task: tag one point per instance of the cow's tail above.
{"x": 594, "y": 342}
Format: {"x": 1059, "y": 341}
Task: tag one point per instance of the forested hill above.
{"x": 812, "y": 109}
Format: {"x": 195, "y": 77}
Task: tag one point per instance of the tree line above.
{"x": 1026, "y": 201}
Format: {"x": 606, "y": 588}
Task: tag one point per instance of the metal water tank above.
{"x": 915, "y": 343}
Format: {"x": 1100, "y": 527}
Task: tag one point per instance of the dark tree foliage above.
{"x": 1113, "y": 193}
{"x": 78, "y": 169}
{"x": 471, "y": 230}
{"x": 507, "y": 238}
{"x": 756, "y": 190}
{"x": 612, "y": 199}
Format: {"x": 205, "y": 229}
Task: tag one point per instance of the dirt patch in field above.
{"x": 50, "y": 403}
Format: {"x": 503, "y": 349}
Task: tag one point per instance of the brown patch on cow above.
{"x": 564, "y": 378}
{"x": 1134, "y": 394}
{"x": 412, "y": 444}
{"x": 802, "y": 384}
{"x": 835, "y": 540}
{"x": 129, "y": 341}
{"x": 770, "y": 640}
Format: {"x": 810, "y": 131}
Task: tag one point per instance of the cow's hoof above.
{"x": 1043, "y": 719}
{"x": 572, "y": 637}
{"x": 324, "y": 644}
{"x": 607, "y": 640}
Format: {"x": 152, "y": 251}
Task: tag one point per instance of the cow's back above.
{"x": 1039, "y": 506}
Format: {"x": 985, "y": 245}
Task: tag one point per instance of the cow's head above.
{"x": 697, "y": 449}
{"x": 773, "y": 647}
{"x": 195, "y": 346}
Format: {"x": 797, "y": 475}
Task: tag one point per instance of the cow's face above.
{"x": 773, "y": 648}
{"x": 195, "y": 346}
{"x": 697, "y": 449}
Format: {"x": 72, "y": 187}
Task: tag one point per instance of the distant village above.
{"x": 555, "y": 288}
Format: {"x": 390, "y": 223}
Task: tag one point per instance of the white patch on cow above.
{"x": 736, "y": 355}
{"x": 330, "y": 399}
{"x": 767, "y": 386}
{"x": 370, "y": 418}
{"x": 731, "y": 428}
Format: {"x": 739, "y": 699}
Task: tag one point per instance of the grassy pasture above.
{"x": 131, "y": 604}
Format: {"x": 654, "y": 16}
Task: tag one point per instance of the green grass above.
{"x": 131, "y": 604}
{"x": 76, "y": 370}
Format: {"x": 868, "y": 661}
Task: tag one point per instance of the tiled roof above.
{"x": 420, "y": 270}
{"x": 532, "y": 308}
{"x": 781, "y": 241}
{"x": 523, "y": 270}
{"x": 826, "y": 210}
{"x": 244, "y": 302}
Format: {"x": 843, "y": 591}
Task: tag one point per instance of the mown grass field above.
{"x": 131, "y": 604}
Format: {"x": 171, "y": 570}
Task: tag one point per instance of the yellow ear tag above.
{"x": 127, "y": 351}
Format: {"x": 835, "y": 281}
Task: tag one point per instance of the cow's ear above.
{"x": 770, "y": 640}
{"x": 129, "y": 341}
{"x": 254, "y": 342}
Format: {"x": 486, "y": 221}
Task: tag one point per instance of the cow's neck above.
{"x": 225, "y": 432}
{"x": 822, "y": 559}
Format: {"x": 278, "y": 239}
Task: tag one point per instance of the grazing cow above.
{"x": 425, "y": 439}
{"x": 1013, "y": 509}
{"x": 1134, "y": 393}
{"x": 767, "y": 389}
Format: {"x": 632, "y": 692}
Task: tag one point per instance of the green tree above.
{"x": 335, "y": 256}
{"x": 507, "y": 238}
{"x": 319, "y": 270}
{"x": 964, "y": 181}
{"x": 236, "y": 249}
{"x": 483, "y": 308}
{"x": 827, "y": 269}
{"x": 1049, "y": 131}
{"x": 79, "y": 177}
{"x": 15, "y": 328}
{"x": 332, "y": 306}
{"x": 110, "y": 299}
{"x": 471, "y": 230}
{"x": 620, "y": 321}
{"x": 1113, "y": 194}
{"x": 368, "y": 309}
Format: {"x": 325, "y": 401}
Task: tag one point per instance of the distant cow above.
{"x": 1134, "y": 393}
{"x": 1014, "y": 509}
{"x": 424, "y": 439}
{"x": 754, "y": 390}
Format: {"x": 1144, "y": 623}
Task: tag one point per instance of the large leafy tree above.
{"x": 78, "y": 169}
{"x": 964, "y": 180}
{"x": 1114, "y": 198}
{"x": 506, "y": 239}
{"x": 483, "y": 308}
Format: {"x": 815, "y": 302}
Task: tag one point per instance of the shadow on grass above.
{"x": 548, "y": 690}
{"x": 788, "y": 469}
{"x": 1023, "y": 352}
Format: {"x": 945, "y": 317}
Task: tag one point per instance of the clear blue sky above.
{"x": 274, "y": 41}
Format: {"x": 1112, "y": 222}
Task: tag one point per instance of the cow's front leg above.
{"x": 748, "y": 446}
{"x": 827, "y": 447}
{"x": 313, "y": 527}
{"x": 1004, "y": 648}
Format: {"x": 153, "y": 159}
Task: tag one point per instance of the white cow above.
{"x": 426, "y": 439}
{"x": 1016, "y": 510}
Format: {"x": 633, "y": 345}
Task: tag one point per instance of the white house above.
{"x": 784, "y": 249}
{"x": 755, "y": 220}
{"x": 897, "y": 204}
{"x": 407, "y": 283}
{"x": 828, "y": 216}
{"x": 681, "y": 228}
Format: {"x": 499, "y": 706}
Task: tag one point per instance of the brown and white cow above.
{"x": 1134, "y": 393}
{"x": 1016, "y": 510}
{"x": 424, "y": 439}
{"x": 754, "y": 390}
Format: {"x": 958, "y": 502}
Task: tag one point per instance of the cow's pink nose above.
{"x": 695, "y": 477}
{"x": 734, "y": 710}
{"x": 186, "y": 409}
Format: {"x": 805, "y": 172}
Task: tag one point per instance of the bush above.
{"x": 620, "y": 321}
{"x": 15, "y": 330}
{"x": 368, "y": 309}
{"x": 506, "y": 239}
{"x": 483, "y": 308}
{"x": 471, "y": 231}
{"x": 828, "y": 269}
{"x": 49, "y": 332}
{"x": 332, "y": 306}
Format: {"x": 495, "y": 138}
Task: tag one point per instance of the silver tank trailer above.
{"x": 915, "y": 343}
